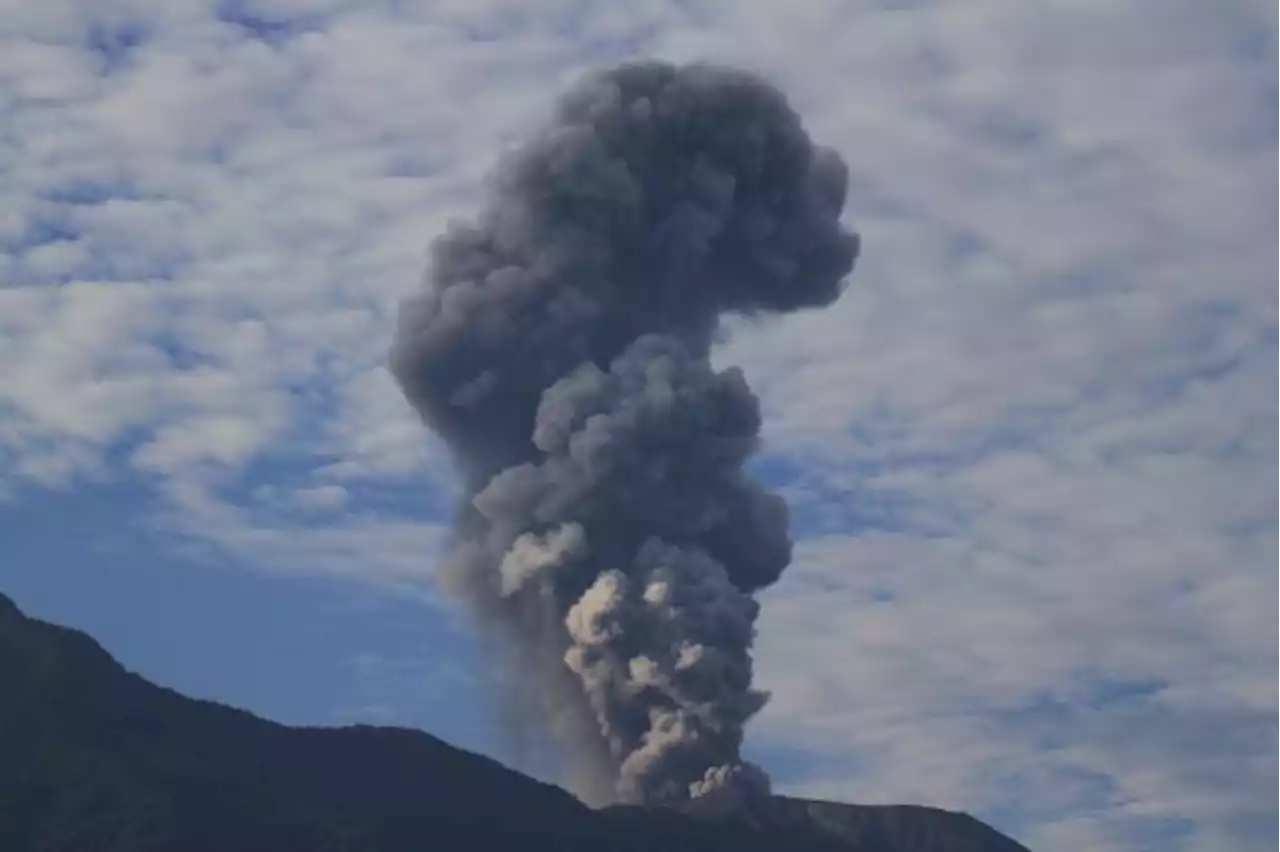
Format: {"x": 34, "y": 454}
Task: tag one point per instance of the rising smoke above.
{"x": 610, "y": 538}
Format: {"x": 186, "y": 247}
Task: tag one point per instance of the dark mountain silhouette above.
{"x": 94, "y": 758}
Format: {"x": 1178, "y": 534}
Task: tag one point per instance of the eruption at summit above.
{"x": 610, "y": 541}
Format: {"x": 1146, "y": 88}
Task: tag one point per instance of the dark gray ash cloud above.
{"x": 611, "y": 542}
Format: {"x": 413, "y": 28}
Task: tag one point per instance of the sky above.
{"x": 1030, "y": 453}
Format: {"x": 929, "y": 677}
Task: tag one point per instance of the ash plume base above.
{"x": 610, "y": 542}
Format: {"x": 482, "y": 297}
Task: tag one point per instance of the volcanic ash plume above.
{"x": 610, "y": 541}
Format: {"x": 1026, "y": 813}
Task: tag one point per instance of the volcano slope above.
{"x": 94, "y": 758}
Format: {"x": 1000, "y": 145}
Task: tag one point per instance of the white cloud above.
{"x": 1031, "y": 449}
{"x": 321, "y": 497}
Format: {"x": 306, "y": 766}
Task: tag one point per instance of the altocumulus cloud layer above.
{"x": 611, "y": 537}
{"x": 1030, "y": 457}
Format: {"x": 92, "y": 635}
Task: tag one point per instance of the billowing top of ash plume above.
{"x": 610, "y": 540}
